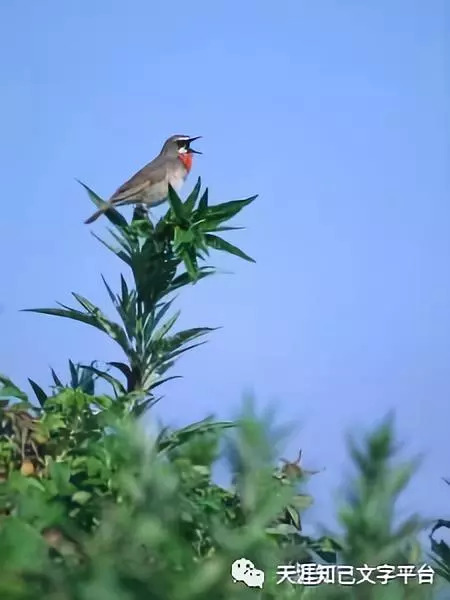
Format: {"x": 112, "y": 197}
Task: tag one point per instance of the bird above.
{"x": 150, "y": 185}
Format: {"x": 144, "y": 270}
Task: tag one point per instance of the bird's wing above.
{"x": 154, "y": 171}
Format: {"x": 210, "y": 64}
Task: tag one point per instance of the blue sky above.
{"x": 337, "y": 114}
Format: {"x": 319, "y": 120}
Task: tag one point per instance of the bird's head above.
{"x": 180, "y": 146}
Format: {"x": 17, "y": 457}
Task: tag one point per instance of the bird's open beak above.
{"x": 192, "y": 139}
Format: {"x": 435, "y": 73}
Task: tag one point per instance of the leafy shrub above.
{"x": 91, "y": 506}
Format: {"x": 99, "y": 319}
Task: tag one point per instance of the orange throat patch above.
{"x": 186, "y": 159}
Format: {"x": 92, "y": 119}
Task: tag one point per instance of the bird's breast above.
{"x": 186, "y": 161}
{"x": 176, "y": 177}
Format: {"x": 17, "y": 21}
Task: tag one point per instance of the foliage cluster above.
{"x": 91, "y": 506}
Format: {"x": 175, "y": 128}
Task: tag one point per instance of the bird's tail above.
{"x": 96, "y": 215}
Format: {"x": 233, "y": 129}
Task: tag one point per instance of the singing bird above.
{"x": 150, "y": 185}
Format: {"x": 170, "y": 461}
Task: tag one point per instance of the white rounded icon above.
{"x": 254, "y": 578}
{"x": 244, "y": 570}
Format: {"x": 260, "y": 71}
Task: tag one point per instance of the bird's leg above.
{"x": 140, "y": 212}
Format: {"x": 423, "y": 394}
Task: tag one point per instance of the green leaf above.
{"x": 56, "y": 379}
{"x": 75, "y": 315}
{"x": 162, "y": 381}
{"x": 124, "y": 289}
{"x": 169, "y": 440}
{"x": 282, "y": 529}
{"x": 156, "y": 316}
{"x": 227, "y": 210}
{"x": 166, "y": 327}
{"x": 192, "y": 198}
{"x": 122, "y": 255}
{"x": 24, "y": 549}
{"x": 111, "y": 214}
{"x": 220, "y": 244}
{"x": 60, "y": 474}
{"x": 183, "y": 236}
{"x": 95, "y": 319}
{"x": 38, "y": 391}
{"x": 191, "y": 264}
{"x": 302, "y": 501}
{"x": 115, "y": 383}
{"x": 187, "y": 335}
{"x": 110, "y": 292}
{"x": 73, "y": 375}
{"x": 176, "y": 204}
{"x": 86, "y": 381}
{"x": 122, "y": 367}
{"x": 203, "y": 204}
{"x": 176, "y": 353}
{"x": 215, "y": 228}
{"x": 10, "y": 389}
{"x": 185, "y": 279}
{"x": 294, "y": 516}
{"x": 125, "y": 241}
{"x": 140, "y": 409}
{"x": 140, "y": 214}
{"x": 81, "y": 497}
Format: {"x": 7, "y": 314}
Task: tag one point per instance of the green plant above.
{"x": 93, "y": 506}
{"x": 372, "y": 534}
{"x": 440, "y": 550}
{"x": 163, "y": 258}
{"x": 77, "y": 457}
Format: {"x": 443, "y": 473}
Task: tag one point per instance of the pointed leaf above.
{"x": 86, "y": 304}
{"x": 73, "y": 375}
{"x": 75, "y": 315}
{"x": 176, "y": 353}
{"x": 192, "y": 198}
{"x": 176, "y": 204}
{"x": 162, "y": 381}
{"x": 120, "y": 253}
{"x": 160, "y": 314}
{"x": 225, "y": 229}
{"x": 185, "y": 279}
{"x": 110, "y": 292}
{"x": 117, "y": 386}
{"x": 124, "y": 288}
{"x": 122, "y": 367}
{"x": 139, "y": 409}
{"x": 182, "y": 337}
{"x": 125, "y": 241}
{"x": 293, "y": 516}
{"x": 99, "y": 321}
{"x": 168, "y": 440}
{"x": 38, "y": 391}
{"x": 114, "y": 330}
{"x": 203, "y": 204}
{"x": 56, "y": 379}
{"x": 227, "y": 210}
{"x": 220, "y": 244}
{"x": 86, "y": 380}
{"x": 166, "y": 327}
